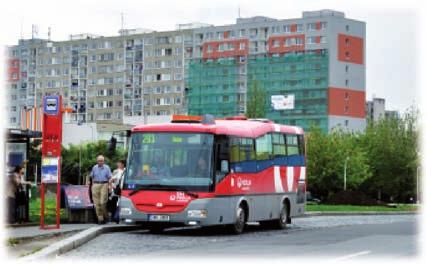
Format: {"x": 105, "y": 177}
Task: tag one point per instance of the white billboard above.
{"x": 282, "y": 102}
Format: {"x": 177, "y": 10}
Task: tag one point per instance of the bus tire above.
{"x": 279, "y": 223}
{"x": 240, "y": 222}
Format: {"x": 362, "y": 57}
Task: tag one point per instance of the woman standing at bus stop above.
{"x": 114, "y": 198}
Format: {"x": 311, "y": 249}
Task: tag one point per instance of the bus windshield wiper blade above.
{"x": 153, "y": 187}
{"x": 163, "y": 187}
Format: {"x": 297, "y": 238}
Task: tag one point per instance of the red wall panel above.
{"x": 345, "y": 102}
{"x": 13, "y": 67}
{"x": 226, "y": 53}
{"x": 281, "y": 48}
{"x": 350, "y": 49}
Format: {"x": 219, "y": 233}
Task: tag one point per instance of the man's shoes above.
{"x": 103, "y": 222}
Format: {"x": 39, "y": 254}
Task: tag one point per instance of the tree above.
{"x": 256, "y": 101}
{"x": 326, "y": 155}
{"x": 392, "y": 147}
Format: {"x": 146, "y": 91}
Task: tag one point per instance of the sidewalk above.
{"x": 25, "y": 232}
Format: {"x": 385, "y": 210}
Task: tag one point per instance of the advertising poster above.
{"x": 49, "y": 170}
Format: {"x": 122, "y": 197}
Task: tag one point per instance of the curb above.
{"x": 34, "y": 237}
{"x": 336, "y": 213}
{"x": 76, "y": 240}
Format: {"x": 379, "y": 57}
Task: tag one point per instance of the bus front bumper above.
{"x": 199, "y": 212}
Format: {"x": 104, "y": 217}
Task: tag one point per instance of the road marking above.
{"x": 352, "y": 256}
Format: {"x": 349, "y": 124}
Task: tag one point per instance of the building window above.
{"x": 209, "y": 49}
{"x": 347, "y": 55}
{"x": 346, "y": 123}
{"x": 346, "y": 96}
{"x": 323, "y": 25}
{"x": 323, "y": 39}
{"x": 286, "y": 29}
{"x": 276, "y": 43}
{"x": 310, "y": 40}
{"x": 347, "y": 42}
{"x": 347, "y": 27}
{"x": 346, "y": 82}
{"x": 347, "y": 68}
{"x": 311, "y": 27}
{"x": 346, "y": 109}
{"x": 220, "y": 35}
{"x": 242, "y": 45}
{"x": 242, "y": 32}
{"x": 299, "y": 27}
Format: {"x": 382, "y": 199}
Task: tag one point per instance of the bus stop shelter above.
{"x": 17, "y": 150}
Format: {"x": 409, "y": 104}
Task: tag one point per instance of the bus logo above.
{"x": 243, "y": 184}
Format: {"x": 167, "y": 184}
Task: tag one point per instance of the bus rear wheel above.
{"x": 240, "y": 222}
{"x": 279, "y": 223}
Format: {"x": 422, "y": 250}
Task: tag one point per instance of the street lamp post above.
{"x": 417, "y": 189}
{"x": 344, "y": 173}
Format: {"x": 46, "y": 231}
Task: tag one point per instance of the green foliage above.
{"x": 392, "y": 147}
{"x": 326, "y": 160}
{"x": 71, "y": 162}
{"x": 256, "y": 101}
{"x": 71, "y": 172}
{"x": 382, "y": 161}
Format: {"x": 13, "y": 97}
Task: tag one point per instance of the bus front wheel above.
{"x": 240, "y": 221}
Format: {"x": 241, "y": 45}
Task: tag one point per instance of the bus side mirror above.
{"x": 224, "y": 166}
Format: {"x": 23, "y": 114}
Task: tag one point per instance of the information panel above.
{"x": 49, "y": 169}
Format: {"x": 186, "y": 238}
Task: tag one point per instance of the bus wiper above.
{"x": 163, "y": 187}
{"x": 149, "y": 187}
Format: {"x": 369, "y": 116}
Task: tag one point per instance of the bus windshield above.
{"x": 178, "y": 161}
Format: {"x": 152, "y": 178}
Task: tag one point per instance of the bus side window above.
{"x": 292, "y": 145}
{"x": 234, "y": 149}
{"x": 278, "y": 143}
{"x": 264, "y": 147}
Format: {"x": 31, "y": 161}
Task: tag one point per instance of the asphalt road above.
{"x": 328, "y": 237}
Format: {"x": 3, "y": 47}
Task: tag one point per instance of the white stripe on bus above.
{"x": 290, "y": 178}
{"x": 302, "y": 173}
{"x": 277, "y": 180}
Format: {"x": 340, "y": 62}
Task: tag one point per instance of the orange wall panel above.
{"x": 282, "y": 48}
{"x": 215, "y": 54}
{"x": 318, "y": 25}
{"x": 350, "y": 49}
{"x": 345, "y": 102}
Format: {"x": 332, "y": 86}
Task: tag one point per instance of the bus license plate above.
{"x": 159, "y": 218}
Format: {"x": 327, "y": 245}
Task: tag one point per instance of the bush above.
{"x": 351, "y": 198}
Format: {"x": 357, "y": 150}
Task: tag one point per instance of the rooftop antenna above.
{"x": 122, "y": 23}
{"x": 22, "y": 30}
{"x": 48, "y": 33}
{"x": 34, "y": 31}
{"x": 239, "y": 12}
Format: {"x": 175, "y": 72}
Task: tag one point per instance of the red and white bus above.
{"x": 198, "y": 171}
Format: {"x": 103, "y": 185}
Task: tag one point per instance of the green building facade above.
{"x": 220, "y": 87}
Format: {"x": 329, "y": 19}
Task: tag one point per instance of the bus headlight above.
{"x": 125, "y": 211}
{"x": 197, "y": 213}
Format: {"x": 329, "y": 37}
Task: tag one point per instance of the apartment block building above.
{"x": 103, "y": 79}
{"x": 375, "y": 110}
{"x": 318, "y": 61}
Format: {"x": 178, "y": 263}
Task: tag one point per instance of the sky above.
{"x": 392, "y": 37}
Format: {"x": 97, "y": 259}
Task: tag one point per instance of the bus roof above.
{"x": 242, "y": 128}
